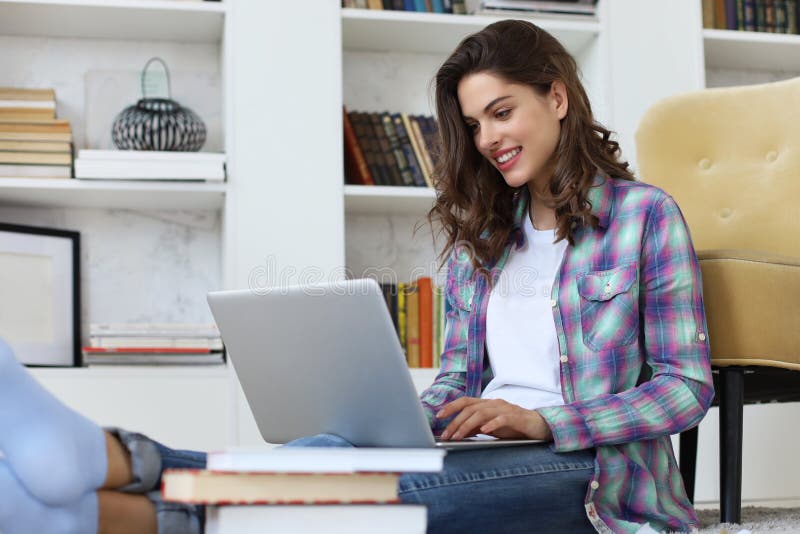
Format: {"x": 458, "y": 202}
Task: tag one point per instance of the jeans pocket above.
{"x": 609, "y": 311}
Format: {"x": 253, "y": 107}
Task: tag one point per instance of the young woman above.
{"x": 575, "y": 317}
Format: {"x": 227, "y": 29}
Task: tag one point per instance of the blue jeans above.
{"x": 509, "y": 489}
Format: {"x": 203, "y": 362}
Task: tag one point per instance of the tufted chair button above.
{"x": 725, "y": 213}
{"x": 704, "y": 164}
{"x": 772, "y": 156}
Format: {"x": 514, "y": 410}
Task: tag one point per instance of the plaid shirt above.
{"x": 628, "y": 309}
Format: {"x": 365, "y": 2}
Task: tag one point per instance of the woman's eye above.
{"x": 473, "y": 127}
{"x": 503, "y": 113}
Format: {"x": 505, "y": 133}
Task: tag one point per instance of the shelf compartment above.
{"x": 116, "y": 194}
{"x": 140, "y": 20}
{"x": 388, "y": 200}
{"x": 729, "y": 49}
{"x": 402, "y": 31}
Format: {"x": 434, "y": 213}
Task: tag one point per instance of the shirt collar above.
{"x": 600, "y": 196}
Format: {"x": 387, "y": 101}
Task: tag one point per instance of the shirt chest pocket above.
{"x": 609, "y": 311}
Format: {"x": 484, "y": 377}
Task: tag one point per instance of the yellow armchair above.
{"x": 731, "y": 159}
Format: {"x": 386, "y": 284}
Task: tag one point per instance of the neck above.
{"x": 542, "y": 217}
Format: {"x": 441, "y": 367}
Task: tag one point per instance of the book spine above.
{"x": 740, "y": 15}
{"x": 769, "y": 16}
{"x": 708, "y": 14}
{"x": 401, "y": 317}
{"x": 385, "y": 156}
{"x": 438, "y": 6}
{"x": 425, "y": 291}
{"x": 415, "y": 146}
{"x": 791, "y": 17}
{"x": 761, "y": 15}
{"x": 720, "y": 22}
{"x": 355, "y": 162}
{"x": 780, "y": 16}
{"x": 730, "y": 15}
{"x": 426, "y": 156}
{"x": 412, "y": 325}
{"x": 749, "y": 15}
{"x": 396, "y": 150}
{"x": 365, "y": 141}
{"x": 408, "y": 151}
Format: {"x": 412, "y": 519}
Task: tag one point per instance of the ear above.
{"x": 559, "y": 99}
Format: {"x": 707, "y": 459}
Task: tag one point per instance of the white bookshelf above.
{"x": 400, "y": 31}
{"x": 388, "y": 200}
{"x": 729, "y": 49}
{"x": 158, "y": 20}
{"x": 112, "y": 194}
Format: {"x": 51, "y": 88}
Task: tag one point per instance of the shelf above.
{"x": 132, "y": 371}
{"x": 117, "y": 194}
{"x": 388, "y": 200}
{"x": 140, "y": 20}
{"x": 731, "y": 49}
{"x": 402, "y": 31}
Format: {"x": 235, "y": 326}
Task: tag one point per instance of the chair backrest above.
{"x": 731, "y": 159}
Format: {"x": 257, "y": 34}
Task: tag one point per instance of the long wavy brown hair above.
{"x": 474, "y": 203}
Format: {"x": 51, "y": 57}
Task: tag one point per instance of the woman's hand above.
{"x": 493, "y": 417}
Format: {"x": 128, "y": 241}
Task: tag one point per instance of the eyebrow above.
{"x": 490, "y": 104}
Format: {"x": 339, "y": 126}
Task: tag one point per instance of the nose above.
{"x": 488, "y": 137}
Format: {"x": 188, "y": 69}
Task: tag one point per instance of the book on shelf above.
{"x": 33, "y": 142}
{"x": 332, "y": 519}
{"x": 422, "y": 6}
{"x": 154, "y": 356}
{"x": 771, "y": 16}
{"x": 383, "y": 148}
{"x": 195, "y": 486}
{"x": 547, "y": 7}
{"x": 327, "y": 460}
{"x": 149, "y": 165}
{"x": 209, "y": 330}
{"x": 112, "y": 342}
{"x": 418, "y": 314}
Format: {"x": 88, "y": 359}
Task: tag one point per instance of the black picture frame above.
{"x": 60, "y": 250}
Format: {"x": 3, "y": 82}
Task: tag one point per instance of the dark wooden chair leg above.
{"x": 731, "y": 403}
{"x": 688, "y": 460}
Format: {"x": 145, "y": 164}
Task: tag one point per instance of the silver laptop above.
{"x": 325, "y": 358}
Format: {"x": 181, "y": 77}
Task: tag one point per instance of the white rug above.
{"x": 756, "y": 519}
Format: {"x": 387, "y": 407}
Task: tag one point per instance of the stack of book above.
{"x": 771, "y": 16}
{"x": 389, "y": 149}
{"x": 418, "y": 313}
{"x": 150, "y": 165}
{"x": 153, "y": 344}
{"x": 457, "y": 7}
{"x": 33, "y": 143}
{"x": 543, "y": 7}
{"x": 304, "y": 490}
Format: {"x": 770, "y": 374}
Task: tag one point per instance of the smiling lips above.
{"x": 507, "y": 158}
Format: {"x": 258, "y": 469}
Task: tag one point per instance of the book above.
{"x": 412, "y": 326}
{"x": 331, "y": 519}
{"x": 153, "y": 358}
{"x": 35, "y": 146}
{"x": 355, "y": 164}
{"x": 425, "y": 292}
{"x": 154, "y": 156}
{"x": 48, "y": 127}
{"x": 36, "y": 158}
{"x": 574, "y": 7}
{"x": 426, "y": 156}
{"x": 15, "y": 93}
{"x": 35, "y": 136}
{"x": 404, "y": 139}
{"x": 154, "y": 329}
{"x": 27, "y": 104}
{"x": 26, "y": 115}
{"x": 327, "y": 460}
{"x": 708, "y": 13}
{"x": 157, "y": 170}
{"x": 417, "y": 148}
{"x": 35, "y": 171}
{"x": 131, "y": 342}
{"x": 368, "y": 146}
{"x": 195, "y": 486}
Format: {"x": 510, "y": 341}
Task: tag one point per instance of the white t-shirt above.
{"x": 520, "y": 330}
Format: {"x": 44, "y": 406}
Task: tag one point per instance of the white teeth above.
{"x": 508, "y": 155}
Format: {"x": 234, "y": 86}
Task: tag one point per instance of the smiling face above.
{"x": 513, "y": 126}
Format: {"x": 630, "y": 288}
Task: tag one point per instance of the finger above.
{"x": 455, "y": 406}
{"x": 488, "y": 409}
{"x": 493, "y": 425}
{"x": 459, "y": 419}
{"x": 472, "y": 424}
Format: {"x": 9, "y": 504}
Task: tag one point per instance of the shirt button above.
{"x": 594, "y": 485}
{"x": 564, "y": 358}
{"x": 701, "y": 337}
{"x": 553, "y": 303}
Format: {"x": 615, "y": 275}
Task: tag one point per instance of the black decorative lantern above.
{"x": 158, "y": 123}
